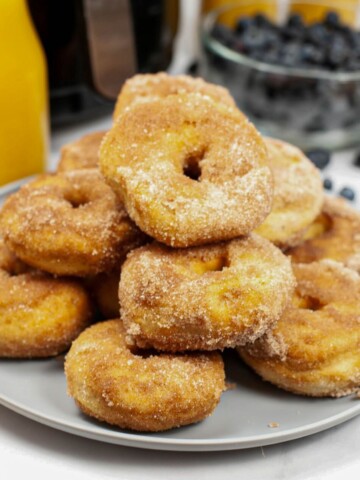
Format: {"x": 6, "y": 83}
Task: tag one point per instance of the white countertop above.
{"x": 28, "y": 447}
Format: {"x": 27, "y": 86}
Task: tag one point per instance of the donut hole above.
{"x": 191, "y": 166}
{"x": 77, "y": 199}
{"x": 310, "y": 303}
{"x": 216, "y": 264}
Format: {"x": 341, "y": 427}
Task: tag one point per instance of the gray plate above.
{"x": 37, "y": 389}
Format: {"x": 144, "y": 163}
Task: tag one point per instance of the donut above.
{"x": 203, "y": 298}
{"x": 148, "y": 87}
{"x": 83, "y": 153}
{"x": 189, "y": 171}
{"x": 104, "y": 291}
{"x": 39, "y": 315}
{"x": 334, "y": 234}
{"x": 314, "y": 349}
{"x": 137, "y": 390}
{"x": 70, "y": 223}
{"x": 298, "y": 194}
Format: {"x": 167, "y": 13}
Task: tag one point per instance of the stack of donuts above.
{"x": 179, "y": 233}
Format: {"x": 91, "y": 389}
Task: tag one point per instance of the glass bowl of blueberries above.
{"x": 295, "y": 73}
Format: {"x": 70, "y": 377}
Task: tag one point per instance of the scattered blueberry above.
{"x": 320, "y": 157}
{"x": 347, "y": 193}
{"x": 328, "y": 184}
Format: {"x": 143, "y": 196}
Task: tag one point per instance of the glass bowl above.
{"x": 308, "y": 107}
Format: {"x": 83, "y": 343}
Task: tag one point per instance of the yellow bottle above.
{"x": 23, "y": 95}
{"x": 316, "y": 10}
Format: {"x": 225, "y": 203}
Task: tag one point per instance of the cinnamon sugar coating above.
{"x": 203, "y": 298}
{"x": 189, "y": 171}
{"x": 39, "y": 315}
{"x": 334, "y": 234}
{"x": 70, "y": 223}
{"x": 140, "y": 391}
{"x": 298, "y": 194}
{"x": 83, "y": 153}
{"x": 148, "y": 87}
{"x": 314, "y": 349}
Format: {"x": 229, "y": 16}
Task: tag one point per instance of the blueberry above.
{"x": 332, "y": 19}
{"x": 328, "y": 184}
{"x": 254, "y": 38}
{"x": 338, "y": 51}
{"x": 320, "y": 157}
{"x": 312, "y": 55}
{"x": 347, "y": 193}
{"x": 317, "y": 34}
{"x": 295, "y": 20}
{"x": 291, "y": 54}
{"x": 243, "y": 24}
{"x": 262, "y": 20}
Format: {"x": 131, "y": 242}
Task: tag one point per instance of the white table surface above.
{"x": 28, "y": 447}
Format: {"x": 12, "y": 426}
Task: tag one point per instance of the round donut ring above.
{"x": 39, "y": 315}
{"x": 190, "y": 171}
{"x": 298, "y": 194}
{"x": 83, "y": 153}
{"x": 203, "y": 298}
{"x": 68, "y": 224}
{"x": 143, "y": 88}
{"x": 143, "y": 392}
{"x": 314, "y": 349}
{"x": 335, "y": 234}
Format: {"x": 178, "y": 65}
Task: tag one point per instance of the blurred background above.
{"x": 292, "y": 66}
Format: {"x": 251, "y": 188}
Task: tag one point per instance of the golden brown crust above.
{"x": 298, "y": 194}
{"x": 153, "y": 392}
{"x": 83, "y": 153}
{"x": 314, "y": 349}
{"x": 39, "y": 315}
{"x": 203, "y": 298}
{"x": 145, "y": 155}
{"x": 143, "y": 88}
{"x": 69, "y": 224}
{"x": 334, "y": 234}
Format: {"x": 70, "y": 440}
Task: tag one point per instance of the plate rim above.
{"x": 141, "y": 440}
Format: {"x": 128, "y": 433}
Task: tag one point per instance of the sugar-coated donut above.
{"x": 314, "y": 349}
{"x": 39, "y": 315}
{"x": 83, "y": 153}
{"x": 140, "y": 391}
{"x": 70, "y": 223}
{"x": 334, "y": 234}
{"x": 203, "y": 298}
{"x": 298, "y": 194}
{"x": 147, "y": 87}
{"x": 189, "y": 170}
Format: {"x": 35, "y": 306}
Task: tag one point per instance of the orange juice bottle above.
{"x": 23, "y": 95}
